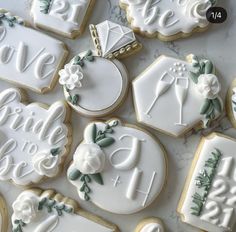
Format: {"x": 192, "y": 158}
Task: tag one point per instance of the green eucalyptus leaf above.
{"x": 210, "y": 110}
{"x": 217, "y": 104}
{"x": 86, "y": 197}
{"x": 90, "y": 58}
{"x": 194, "y": 77}
{"x": 94, "y": 132}
{"x": 205, "y": 106}
{"x": 75, "y": 99}
{"x": 74, "y": 174}
{"x": 89, "y": 53}
{"x": 208, "y": 67}
{"x": 97, "y": 178}
{"x": 105, "y": 142}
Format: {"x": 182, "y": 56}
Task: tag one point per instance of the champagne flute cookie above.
{"x": 150, "y": 225}
{"x": 186, "y": 91}
{"x": 167, "y": 20}
{"x": 64, "y": 17}
{"x": 28, "y": 58}
{"x": 208, "y": 199}
{"x": 34, "y": 138}
{"x": 121, "y": 161}
{"x": 37, "y": 210}
{"x": 3, "y": 215}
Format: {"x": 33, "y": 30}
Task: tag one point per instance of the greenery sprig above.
{"x": 19, "y": 226}
{"x": 55, "y": 151}
{"x": 204, "y": 182}
{"x": 45, "y": 7}
{"x": 11, "y": 20}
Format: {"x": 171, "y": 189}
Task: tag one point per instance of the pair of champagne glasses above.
{"x": 181, "y": 90}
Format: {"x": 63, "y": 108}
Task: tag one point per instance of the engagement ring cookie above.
{"x": 208, "y": 200}
{"x": 3, "y": 215}
{"x": 112, "y": 40}
{"x": 94, "y": 86}
{"x": 231, "y": 103}
{"x": 186, "y": 91}
{"x": 167, "y": 19}
{"x": 34, "y": 138}
{"x": 37, "y": 210}
{"x": 64, "y": 17}
{"x": 28, "y": 58}
{"x": 121, "y": 161}
{"x": 150, "y": 225}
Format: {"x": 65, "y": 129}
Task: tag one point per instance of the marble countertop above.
{"x": 218, "y": 44}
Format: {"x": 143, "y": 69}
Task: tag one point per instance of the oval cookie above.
{"x": 93, "y": 85}
{"x": 121, "y": 161}
{"x": 186, "y": 91}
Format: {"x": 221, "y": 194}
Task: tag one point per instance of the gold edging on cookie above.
{"x": 192, "y": 169}
{"x": 4, "y": 215}
{"x": 122, "y": 53}
{"x": 229, "y": 108}
{"x": 158, "y": 35}
{"x": 146, "y": 221}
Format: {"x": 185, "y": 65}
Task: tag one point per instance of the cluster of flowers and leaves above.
{"x": 208, "y": 86}
{"x": 45, "y": 7}
{"x": 72, "y": 75}
{"x": 11, "y": 20}
{"x": 204, "y": 182}
{"x": 27, "y": 207}
{"x": 89, "y": 158}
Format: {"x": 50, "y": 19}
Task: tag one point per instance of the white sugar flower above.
{"x": 208, "y": 86}
{"x": 71, "y": 76}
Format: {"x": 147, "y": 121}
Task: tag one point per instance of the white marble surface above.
{"x": 218, "y": 44}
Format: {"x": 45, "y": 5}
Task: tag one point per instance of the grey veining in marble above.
{"x": 218, "y": 44}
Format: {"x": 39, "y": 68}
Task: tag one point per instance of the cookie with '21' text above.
{"x": 187, "y": 91}
{"x": 3, "y": 215}
{"x": 37, "y": 210}
{"x": 34, "y": 138}
{"x": 208, "y": 199}
{"x": 64, "y": 17}
{"x": 28, "y": 57}
{"x": 118, "y": 160}
{"x": 167, "y": 19}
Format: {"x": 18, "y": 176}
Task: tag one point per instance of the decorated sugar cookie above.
{"x": 34, "y": 139}
{"x": 65, "y": 17}
{"x": 167, "y": 19}
{"x": 186, "y": 91}
{"x": 93, "y": 85}
{"x": 3, "y": 215}
{"x": 121, "y": 161}
{"x": 27, "y": 57}
{"x": 231, "y": 103}
{"x": 113, "y": 40}
{"x": 208, "y": 200}
{"x": 150, "y": 225}
{"x": 36, "y": 210}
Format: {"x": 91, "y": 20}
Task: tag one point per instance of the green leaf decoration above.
{"x": 74, "y": 174}
{"x": 194, "y": 77}
{"x": 19, "y": 224}
{"x": 205, "y": 107}
{"x": 97, "y": 178}
{"x": 208, "y": 67}
{"x": 80, "y": 60}
{"x": 89, "y": 53}
{"x": 210, "y": 110}
{"x": 45, "y": 6}
{"x": 55, "y": 151}
{"x": 105, "y": 142}
{"x": 75, "y": 99}
{"x": 217, "y": 104}
{"x": 94, "y": 132}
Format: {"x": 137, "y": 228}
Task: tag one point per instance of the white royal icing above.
{"x": 152, "y": 227}
{"x": 167, "y": 17}
{"x": 62, "y": 16}
{"x": 219, "y": 207}
{"x": 102, "y": 88}
{"x": 26, "y": 207}
{"x": 113, "y": 36}
{"x": 29, "y": 133}
{"x": 166, "y": 86}
{"x": 134, "y": 172}
{"x": 28, "y": 57}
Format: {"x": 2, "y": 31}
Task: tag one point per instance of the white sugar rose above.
{"x": 45, "y": 164}
{"x": 208, "y": 86}
{"x": 89, "y": 159}
{"x": 25, "y": 208}
{"x": 71, "y": 76}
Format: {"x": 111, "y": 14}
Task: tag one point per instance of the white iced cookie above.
{"x": 208, "y": 200}
{"x": 113, "y": 40}
{"x": 93, "y": 85}
{"x": 37, "y": 210}
{"x": 188, "y": 92}
{"x": 27, "y": 57}
{"x": 150, "y": 225}
{"x": 167, "y": 20}
{"x": 33, "y": 138}
{"x": 3, "y": 215}
{"x": 231, "y": 103}
{"x": 65, "y": 17}
{"x": 121, "y": 161}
